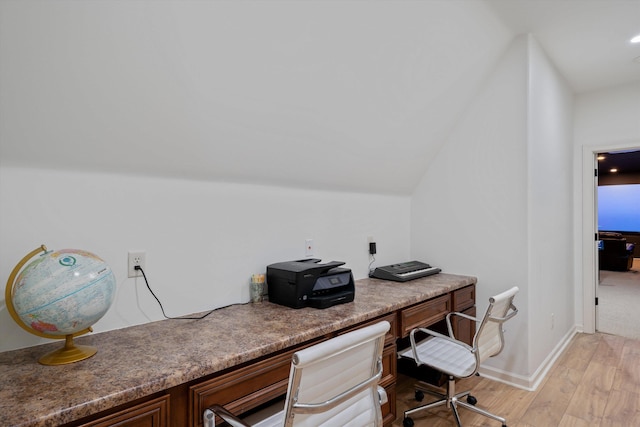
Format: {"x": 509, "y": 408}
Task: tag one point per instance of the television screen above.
{"x": 619, "y": 208}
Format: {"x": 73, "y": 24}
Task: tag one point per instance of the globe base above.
{"x": 68, "y": 354}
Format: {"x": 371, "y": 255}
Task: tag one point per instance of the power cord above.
{"x": 137, "y": 267}
{"x": 372, "y": 256}
{"x": 372, "y": 259}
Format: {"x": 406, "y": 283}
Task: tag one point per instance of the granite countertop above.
{"x": 137, "y": 361}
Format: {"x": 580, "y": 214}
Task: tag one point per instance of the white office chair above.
{"x": 459, "y": 360}
{"x": 333, "y": 383}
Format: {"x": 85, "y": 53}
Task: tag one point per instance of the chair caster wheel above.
{"x": 472, "y": 401}
{"x": 419, "y": 396}
{"x": 407, "y": 422}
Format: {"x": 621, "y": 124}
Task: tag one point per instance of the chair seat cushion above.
{"x": 445, "y": 356}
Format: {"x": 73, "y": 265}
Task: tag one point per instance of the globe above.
{"x": 60, "y": 294}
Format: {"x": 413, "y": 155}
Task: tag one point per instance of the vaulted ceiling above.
{"x": 344, "y": 95}
{"x": 588, "y": 40}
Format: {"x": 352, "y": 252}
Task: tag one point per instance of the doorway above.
{"x": 618, "y": 219}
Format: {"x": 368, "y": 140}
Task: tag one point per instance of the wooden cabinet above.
{"x": 389, "y": 411}
{"x": 242, "y": 389}
{"x": 258, "y": 382}
{"x": 424, "y": 314}
{"x": 464, "y": 329}
{"x": 388, "y": 381}
{"x": 390, "y": 337}
{"x": 463, "y": 298}
{"x": 389, "y": 369}
{"x": 152, "y": 413}
{"x": 246, "y": 388}
{"x": 463, "y": 301}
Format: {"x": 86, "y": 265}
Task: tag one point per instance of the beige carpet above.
{"x": 619, "y": 302}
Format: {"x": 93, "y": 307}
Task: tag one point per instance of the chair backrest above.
{"x": 489, "y": 339}
{"x": 334, "y": 383}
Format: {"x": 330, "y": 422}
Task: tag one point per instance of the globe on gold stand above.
{"x": 46, "y": 298}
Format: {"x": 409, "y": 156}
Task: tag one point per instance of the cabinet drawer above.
{"x": 389, "y": 338}
{"x": 464, "y": 298}
{"x": 242, "y": 389}
{"x": 389, "y": 409}
{"x": 424, "y": 314}
{"x": 465, "y": 329}
{"x": 389, "y": 366}
{"x": 154, "y": 413}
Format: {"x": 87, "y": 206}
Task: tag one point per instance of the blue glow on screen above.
{"x": 619, "y": 207}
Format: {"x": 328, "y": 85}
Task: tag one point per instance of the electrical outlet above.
{"x": 136, "y": 258}
{"x": 308, "y": 247}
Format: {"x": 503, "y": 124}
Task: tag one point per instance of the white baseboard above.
{"x": 532, "y": 382}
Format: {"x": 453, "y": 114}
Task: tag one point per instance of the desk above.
{"x": 153, "y": 372}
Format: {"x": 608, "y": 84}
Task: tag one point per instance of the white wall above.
{"x": 496, "y": 202}
{"x": 318, "y": 94}
{"x": 345, "y": 99}
{"x": 203, "y": 240}
{"x": 608, "y": 117}
{"x": 604, "y": 120}
{"x": 469, "y": 214}
{"x": 550, "y": 208}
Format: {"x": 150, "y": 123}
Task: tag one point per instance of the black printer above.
{"x": 307, "y": 283}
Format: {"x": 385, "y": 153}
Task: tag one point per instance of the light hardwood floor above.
{"x": 594, "y": 383}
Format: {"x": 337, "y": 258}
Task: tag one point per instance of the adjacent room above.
{"x": 619, "y": 234}
{"x": 273, "y": 172}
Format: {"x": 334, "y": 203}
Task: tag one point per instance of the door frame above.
{"x": 590, "y": 228}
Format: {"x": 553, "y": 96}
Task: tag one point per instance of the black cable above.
{"x": 372, "y": 259}
{"x": 137, "y": 267}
